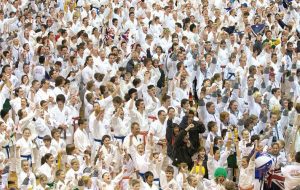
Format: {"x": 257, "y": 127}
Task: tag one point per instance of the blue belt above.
{"x": 28, "y": 157}
{"x": 120, "y": 138}
{"x": 142, "y": 176}
{"x": 7, "y": 150}
{"x": 39, "y": 137}
{"x": 230, "y": 75}
{"x": 98, "y": 140}
{"x": 157, "y": 180}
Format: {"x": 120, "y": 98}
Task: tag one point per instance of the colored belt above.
{"x": 120, "y": 138}
{"x": 28, "y": 157}
{"x": 98, "y": 140}
{"x": 7, "y": 150}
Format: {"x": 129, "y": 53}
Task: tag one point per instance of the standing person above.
{"x": 183, "y": 148}
{"x": 59, "y": 114}
{"x": 247, "y": 168}
{"x": 24, "y": 147}
{"x": 292, "y": 173}
{"x": 195, "y": 131}
{"x": 81, "y": 139}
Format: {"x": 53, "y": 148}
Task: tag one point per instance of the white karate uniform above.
{"x": 46, "y": 170}
{"x": 291, "y": 174}
{"x": 81, "y": 140}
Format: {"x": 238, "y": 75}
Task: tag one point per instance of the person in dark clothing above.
{"x": 194, "y": 133}
{"x": 161, "y": 81}
{"x": 183, "y": 148}
{"x": 132, "y": 62}
{"x": 171, "y": 132}
{"x": 200, "y": 164}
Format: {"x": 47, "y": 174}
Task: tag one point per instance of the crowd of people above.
{"x": 150, "y": 94}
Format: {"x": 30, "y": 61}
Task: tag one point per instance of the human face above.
{"x": 244, "y": 163}
{"x": 142, "y": 105}
{"x": 61, "y": 177}
{"x": 202, "y": 153}
{"x": 75, "y": 166}
{"x": 25, "y": 166}
{"x": 56, "y": 135}
{"x": 220, "y": 180}
{"x": 136, "y": 130}
{"x": 106, "y": 178}
{"x": 23, "y": 102}
{"x": 217, "y": 155}
{"x": 60, "y": 104}
{"x": 273, "y": 118}
{"x": 246, "y": 135}
{"x": 26, "y": 134}
{"x": 150, "y": 180}
{"x": 186, "y": 138}
{"x": 176, "y": 131}
{"x": 171, "y": 113}
{"x": 111, "y": 59}
{"x": 275, "y": 149}
{"x": 169, "y": 176}
{"x": 84, "y": 125}
{"x": 211, "y": 109}
{"x": 47, "y": 143}
{"x": 3, "y": 127}
{"x": 278, "y": 93}
{"x": 234, "y": 106}
{"x": 106, "y": 142}
{"x": 258, "y": 98}
{"x": 141, "y": 149}
{"x": 137, "y": 186}
{"x": 194, "y": 182}
{"x": 50, "y": 161}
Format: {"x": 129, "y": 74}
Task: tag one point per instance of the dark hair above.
{"x": 61, "y": 98}
{"x": 184, "y": 101}
{"x": 20, "y": 113}
{"x": 70, "y": 148}
{"x": 215, "y": 149}
{"x": 47, "y": 138}
{"x": 208, "y": 104}
{"x": 3, "y": 113}
{"x": 160, "y": 112}
{"x": 55, "y": 130}
{"x": 104, "y": 137}
{"x": 45, "y": 158}
{"x": 4, "y": 68}
{"x": 117, "y": 99}
{"x": 148, "y": 174}
{"x": 170, "y": 108}
{"x": 59, "y": 80}
{"x": 297, "y": 157}
{"x": 81, "y": 121}
{"x": 210, "y": 125}
{"x": 138, "y": 101}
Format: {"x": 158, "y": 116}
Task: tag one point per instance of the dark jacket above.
{"x": 170, "y": 138}
{"x": 181, "y": 152}
{"x": 194, "y": 132}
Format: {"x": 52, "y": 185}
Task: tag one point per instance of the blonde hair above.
{"x": 256, "y": 94}
{"x": 223, "y": 115}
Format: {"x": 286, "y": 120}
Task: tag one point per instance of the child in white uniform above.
{"x": 47, "y": 147}
{"x": 24, "y": 147}
{"x": 48, "y": 167}
{"x": 247, "y": 168}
